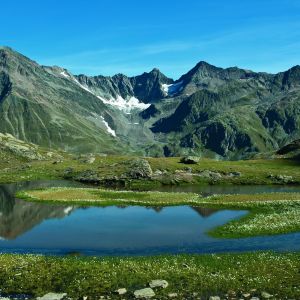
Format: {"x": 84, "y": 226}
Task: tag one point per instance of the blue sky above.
{"x": 130, "y": 37}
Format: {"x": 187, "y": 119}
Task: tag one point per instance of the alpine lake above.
{"x": 55, "y": 229}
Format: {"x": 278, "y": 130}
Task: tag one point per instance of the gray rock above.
{"x": 281, "y": 178}
{"x": 144, "y": 293}
{"x": 157, "y": 173}
{"x": 121, "y": 291}
{"x": 158, "y": 283}
{"x": 254, "y": 298}
{"x": 266, "y": 295}
{"x": 88, "y": 176}
{"x": 140, "y": 168}
{"x": 68, "y": 173}
{"x": 235, "y": 174}
{"x": 87, "y": 159}
{"x": 210, "y": 175}
{"x": 214, "y": 298}
{"x": 53, "y": 296}
{"x": 189, "y": 160}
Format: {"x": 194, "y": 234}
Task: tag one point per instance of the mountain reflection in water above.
{"x": 27, "y": 227}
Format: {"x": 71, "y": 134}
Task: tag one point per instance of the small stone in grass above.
{"x": 172, "y": 295}
{"x": 144, "y": 293}
{"x": 266, "y": 295}
{"x": 53, "y": 296}
{"x": 158, "y": 283}
{"x": 246, "y": 295}
{"x": 121, "y": 291}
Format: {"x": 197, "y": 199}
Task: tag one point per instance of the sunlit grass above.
{"x": 252, "y": 171}
{"x": 102, "y": 197}
{"x": 206, "y": 275}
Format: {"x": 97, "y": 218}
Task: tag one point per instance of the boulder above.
{"x": 139, "y": 168}
{"x": 87, "y": 159}
{"x": 88, "y": 176}
{"x": 190, "y": 160}
{"x": 210, "y": 175}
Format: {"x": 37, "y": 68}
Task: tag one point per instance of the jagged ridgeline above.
{"x": 222, "y": 113}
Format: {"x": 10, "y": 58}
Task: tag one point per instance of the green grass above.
{"x": 13, "y": 169}
{"x": 275, "y": 273}
{"x": 273, "y": 213}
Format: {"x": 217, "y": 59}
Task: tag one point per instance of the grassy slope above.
{"x": 272, "y": 213}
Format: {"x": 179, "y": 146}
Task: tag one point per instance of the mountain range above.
{"x": 220, "y": 113}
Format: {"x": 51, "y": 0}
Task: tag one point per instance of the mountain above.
{"x": 210, "y": 111}
{"x": 233, "y": 112}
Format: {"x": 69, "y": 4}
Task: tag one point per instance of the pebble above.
{"x": 144, "y": 293}
{"x": 121, "y": 291}
{"x": 172, "y": 295}
{"x": 266, "y": 295}
{"x": 52, "y": 296}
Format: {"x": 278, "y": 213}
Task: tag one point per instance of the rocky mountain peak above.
{"x": 289, "y": 78}
{"x": 155, "y": 71}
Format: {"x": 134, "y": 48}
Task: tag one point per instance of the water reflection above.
{"x": 17, "y": 216}
{"x": 118, "y": 230}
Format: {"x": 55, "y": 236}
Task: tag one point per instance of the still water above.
{"x": 56, "y": 229}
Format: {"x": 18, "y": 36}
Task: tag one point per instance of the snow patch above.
{"x": 83, "y": 87}
{"x": 63, "y": 73}
{"x": 99, "y": 120}
{"x": 171, "y": 89}
{"x": 109, "y": 130}
{"x": 125, "y": 104}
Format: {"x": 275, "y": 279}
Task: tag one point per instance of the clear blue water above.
{"x": 55, "y": 229}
